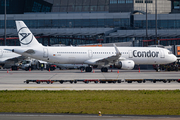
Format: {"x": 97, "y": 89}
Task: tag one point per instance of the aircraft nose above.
{"x": 174, "y": 58}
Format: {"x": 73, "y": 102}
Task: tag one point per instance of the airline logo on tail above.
{"x": 25, "y": 38}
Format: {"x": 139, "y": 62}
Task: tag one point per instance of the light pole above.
{"x": 156, "y": 22}
{"x": 146, "y": 22}
{"x": 5, "y": 22}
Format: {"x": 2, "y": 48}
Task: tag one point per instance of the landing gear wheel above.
{"x": 104, "y": 69}
{"x": 88, "y": 69}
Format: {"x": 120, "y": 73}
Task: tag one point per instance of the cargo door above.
{"x": 90, "y": 53}
{"x": 71, "y": 60}
{"x": 1, "y": 53}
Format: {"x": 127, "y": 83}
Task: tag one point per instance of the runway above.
{"x": 14, "y": 80}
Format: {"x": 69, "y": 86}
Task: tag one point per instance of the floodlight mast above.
{"x": 5, "y": 22}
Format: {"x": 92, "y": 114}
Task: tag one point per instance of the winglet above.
{"x": 117, "y": 51}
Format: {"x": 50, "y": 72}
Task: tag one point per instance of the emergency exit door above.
{"x": 45, "y": 52}
{"x": 162, "y": 53}
{"x": 1, "y": 52}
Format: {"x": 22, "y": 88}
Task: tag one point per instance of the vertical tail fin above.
{"x": 26, "y": 38}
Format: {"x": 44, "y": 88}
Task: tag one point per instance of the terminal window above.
{"x": 86, "y": 2}
{"x": 176, "y": 4}
{"x": 3, "y": 3}
{"x": 121, "y": 1}
{"x": 36, "y": 7}
{"x": 113, "y": 1}
{"x": 139, "y": 1}
{"x": 129, "y": 1}
{"x": 148, "y": 1}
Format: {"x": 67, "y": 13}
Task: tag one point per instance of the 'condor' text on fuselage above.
{"x": 145, "y": 53}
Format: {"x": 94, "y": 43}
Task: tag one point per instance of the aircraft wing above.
{"x": 110, "y": 59}
{"x": 19, "y": 58}
{"x": 42, "y": 61}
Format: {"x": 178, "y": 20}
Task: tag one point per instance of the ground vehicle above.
{"x": 29, "y": 64}
{"x": 33, "y": 64}
{"x": 50, "y": 67}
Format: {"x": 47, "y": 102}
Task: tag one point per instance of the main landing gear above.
{"x": 104, "y": 69}
{"x": 88, "y": 69}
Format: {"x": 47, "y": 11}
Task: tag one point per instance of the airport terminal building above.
{"x": 77, "y": 22}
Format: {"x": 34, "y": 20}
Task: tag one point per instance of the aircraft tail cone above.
{"x": 118, "y": 71}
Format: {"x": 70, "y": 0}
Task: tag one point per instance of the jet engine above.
{"x": 125, "y": 64}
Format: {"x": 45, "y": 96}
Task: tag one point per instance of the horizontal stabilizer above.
{"x": 22, "y": 51}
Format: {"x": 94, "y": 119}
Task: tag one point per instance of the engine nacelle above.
{"x": 125, "y": 64}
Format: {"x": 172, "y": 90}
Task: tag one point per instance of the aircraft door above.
{"x": 162, "y": 53}
{"x": 90, "y": 53}
{"x": 1, "y": 52}
{"x": 130, "y": 54}
{"x": 45, "y": 52}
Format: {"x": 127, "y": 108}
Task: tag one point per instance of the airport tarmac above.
{"x": 14, "y": 80}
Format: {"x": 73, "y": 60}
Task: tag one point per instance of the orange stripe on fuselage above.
{"x": 92, "y": 46}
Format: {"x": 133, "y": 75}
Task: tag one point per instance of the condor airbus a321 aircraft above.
{"x": 122, "y": 57}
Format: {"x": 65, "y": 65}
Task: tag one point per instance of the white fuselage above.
{"x": 86, "y": 55}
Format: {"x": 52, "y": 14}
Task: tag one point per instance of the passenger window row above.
{"x": 93, "y": 52}
{"x": 72, "y": 52}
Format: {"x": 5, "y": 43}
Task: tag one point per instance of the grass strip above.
{"x": 141, "y": 102}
